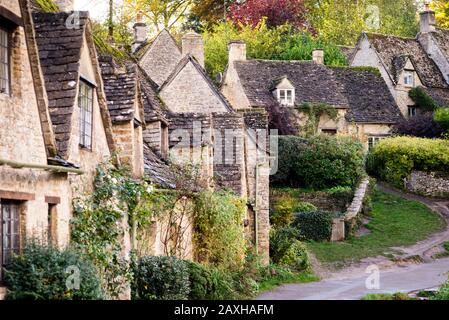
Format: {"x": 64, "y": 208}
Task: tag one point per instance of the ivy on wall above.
{"x": 314, "y": 112}
{"x": 423, "y": 100}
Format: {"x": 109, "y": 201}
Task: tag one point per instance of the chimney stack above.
{"x": 427, "y": 20}
{"x": 192, "y": 43}
{"x": 318, "y": 56}
{"x": 140, "y": 34}
{"x": 237, "y": 51}
{"x": 65, "y": 5}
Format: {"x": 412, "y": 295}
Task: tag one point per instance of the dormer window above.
{"x": 85, "y": 103}
{"x": 286, "y": 97}
{"x": 409, "y": 79}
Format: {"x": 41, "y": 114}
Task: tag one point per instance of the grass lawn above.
{"x": 275, "y": 281}
{"x": 395, "y": 222}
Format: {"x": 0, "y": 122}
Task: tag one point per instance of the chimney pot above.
{"x": 427, "y": 20}
{"x": 140, "y": 34}
{"x": 192, "y": 43}
{"x": 65, "y": 5}
{"x": 318, "y": 56}
{"x": 237, "y": 51}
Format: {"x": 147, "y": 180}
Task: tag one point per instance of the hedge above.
{"x": 315, "y": 226}
{"x": 394, "y": 159}
{"x": 320, "y": 162}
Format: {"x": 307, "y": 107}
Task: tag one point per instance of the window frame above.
{"x": 412, "y": 111}
{"x": 285, "y": 101}
{"x": 9, "y": 60}
{"x": 409, "y": 74}
{"x": 17, "y": 235}
{"x": 374, "y": 140}
{"x": 87, "y": 145}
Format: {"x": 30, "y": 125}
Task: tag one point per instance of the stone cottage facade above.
{"x": 196, "y": 123}
{"x": 55, "y": 127}
{"x": 363, "y": 103}
{"x": 406, "y": 63}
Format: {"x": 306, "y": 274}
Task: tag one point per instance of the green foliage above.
{"x": 393, "y": 159}
{"x": 219, "y": 237}
{"x": 287, "y": 251}
{"x": 314, "y": 112}
{"x": 320, "y": 162}
{"x": 441, "y": 117}
{"x": 281, "y": 43}
{"x": 304, "y": 207}
{"x": 42, "y": 272}
{"x": 97, "y": 225}
{"x": 47, "y": 5}
{"x": 443, "y": 293}
{"x": 386, "y": 297}
{"x": 282, "y": 213}
{"x": 422, "y": 99}
{"x": 315, "y": 226}
{"x": 161, "y": 278}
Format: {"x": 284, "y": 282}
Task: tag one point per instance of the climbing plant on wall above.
{"x": 314, "y": 112}
{"x": 422, "y": 99}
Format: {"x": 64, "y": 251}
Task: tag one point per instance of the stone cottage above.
{"x": 406, "y": 63}
{"x": 359, "y": 99}
{"x": 189, "y": 119}
{"x": 55, "y": 126}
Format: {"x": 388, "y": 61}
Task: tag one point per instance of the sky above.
{"x": 98, "y": 8}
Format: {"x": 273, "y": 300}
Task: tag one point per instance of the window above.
{"x": 373, "y": 141}
{"x": 409, "y": 79}
{"x": 9, "y": 231}
{"x": 52, "y": 224}
{"x": 329, "y": 132}
{"x": 286, "y": 97}
{"x": 4, "y": 61}
{"x": 412, "y": 111}
{"x": 85, "y": 102}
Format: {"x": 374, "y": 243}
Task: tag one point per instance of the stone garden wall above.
{"x": 429, "y": 184}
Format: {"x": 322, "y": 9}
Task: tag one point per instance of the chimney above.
{"x": 65, "y": 5}
{"x": 427, "y": 20}
{"x": 237, "y": 51}
{"x": 192, "y": 43}
{"x": 318, "y": 56}
{"x": 140, "y": 32}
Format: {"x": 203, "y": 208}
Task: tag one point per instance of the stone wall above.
{"x": 429, "y": 184}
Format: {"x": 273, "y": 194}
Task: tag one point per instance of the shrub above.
{"x": 287, "y": 251}
{"x": 219, "y": 240}
{"x": 422, "y": 99}
{"x": 209, "y": 283}
{"x": 443, "y": 293}
{"x": 161, "y": 278}
{"x": 422, "y": 125}
{"x": 442, "y": 118}
{"x": 315, "y": 226}
{"x": 296, "y": 257}
{"x": 393, "y": 159}
{"x": 282, "y": 213}
{"x": 42, "y": 272}
{"x": 320, "y": 162}
{"x": 304, "y": 207}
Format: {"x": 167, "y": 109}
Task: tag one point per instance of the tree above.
{"x": 276, "y": 12}
{"x": 210, "y": 12}
{"x": 161, "y": 13}
{"x": 441, "y": 8}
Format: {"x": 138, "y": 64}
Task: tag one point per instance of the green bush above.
{"x": 319, "y": 163}
{"x": 422, "y": 99}
{"x": 443, "y": 293}
{"x": 286, "y": 250}
{"x": 161, "y": 278}
{"x": 283, "y": 210}
{"x": 393, "y": 159}
{"x": 315, "y": 226}
{"x": 304, "y": 207}
{"x": 209, "y": 283}
{"x": 43, "y": 273}
{"x": 441, "y": 117}
{"x": 296, "y": 257}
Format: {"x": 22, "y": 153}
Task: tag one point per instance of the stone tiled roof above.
{"x": 157, "y": 170}
{"x": 348, "y": 52}
{"x": 441, "y": 96}
{"x": 313, "y": 82}
{"x": 160, "y": 57}
{"x": 121, "y": 87}
{"x": 181, "y": 65}
{"x": 442, "y": 38}
{"x": 389, "y": 48}
{"x": 154, "y": 108}
{"x": 361, "y": 90}
{"x": 59, "y": 54}
{"x": 399, "y": 63}
{"x": 369, "y": 98}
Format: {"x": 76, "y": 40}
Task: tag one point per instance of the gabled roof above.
{"x": 390, "y": 48}
{"x": 362, "y": 90}
{"x": 276, "y": 82}
{"x": 442, "y": 38}
{"x": 60, "y": 50}
{"x": 369, "y": 98}
{"x": 313, "y": 82}
{"x": 347, "y": 51}
{"x": 121, "y": 89}
{"x": 160, "y": 57}
{"x": 182, "y": 64}
{"x": 157, "y": 170}
{"x": 154, "y": 108}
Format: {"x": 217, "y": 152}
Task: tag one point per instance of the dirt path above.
{"x": 412, "y": 269}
